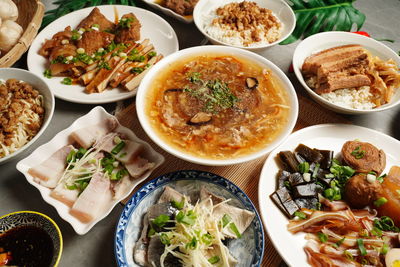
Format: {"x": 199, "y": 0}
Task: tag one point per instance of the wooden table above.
{"x": 96, "y": 248}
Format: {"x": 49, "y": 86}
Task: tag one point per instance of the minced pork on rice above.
{"x": 226, "y": 34}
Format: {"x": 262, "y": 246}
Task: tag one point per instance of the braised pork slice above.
{"x": 55, "y": 41}
{"x": 364, "y": 157}
{"x": 93, "y": 40}
{"x": 128, "y": 29}
{"x": 335, "y": 82}
{"x": 95, "y": 17}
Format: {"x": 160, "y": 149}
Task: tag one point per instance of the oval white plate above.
{"x": 155, "y": 28}
{"x": 325, "y": 40}
{"x": 324, "y": 136}
{"x": 156, "y": 4}
{"x": 95, "y": 116}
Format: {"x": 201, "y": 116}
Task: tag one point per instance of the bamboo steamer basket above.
{"x": 30, "y": 15}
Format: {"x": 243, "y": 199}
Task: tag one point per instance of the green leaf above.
{"x": 313, "y": 16}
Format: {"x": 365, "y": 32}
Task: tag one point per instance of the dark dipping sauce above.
{"x": 29, "y": 246}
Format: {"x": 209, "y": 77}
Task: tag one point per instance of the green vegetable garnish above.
{"x": 152, "y": 54}
{"x": 207, "y": 239}
{"x": 151, "y": 232}
{"x": 104, "y": 65}
{"x": 380, "y": 201}
{"x": 358, "y": 153}
{"x": 385, "y": 223}
{"x": 47, "y": 73}
{"x": 189, "y": 218}
{"x": 165, "y": 239}
{"x": 348, "y": 255}
{"x": 315, "y": 172}
{"x": 118, "y": 148}
{"x": 376, "y": 231}
{"x": 126, "y": 22}
{"x": 178, "y": 205}
{"x": 71, "y": 156}
{"x": 380, "y": 178}
{"x": 75, "y": 35}
{"x": 385, "y": 248}
{"x": 235, "y": 230}
{"x": 361, "y": 247}
{"x": 322, "y": 237}
{"x": 340, "y": 242}
{"x": 213, "y": 260}
{"x": 161, "y": 220}
{"x": 300, "y": 214}
{"x": 192, "y": 244}
{"x": 226, "y": 219}
{"x": 67, "y": 81}
{"x": 304, "y": 167}
{"x": 137, "y": 70}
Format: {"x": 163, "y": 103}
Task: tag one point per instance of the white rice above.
{"x": 351, "y": 98}
{"x": 224, "y": 34}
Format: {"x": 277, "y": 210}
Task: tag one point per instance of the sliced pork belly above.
{"x": 92, "y": 200}
{"x": 87, "y": 136}
{"x": 65, "y": 195}
{"x": 241, "y": 217}
{"x": 120, "y": 187}
{"x": 50, "y": 171}
{"x": 341, "y": 82}
{"x": 204, "y": 193}
{"x": 139, "y": 166}
{"x": 128, "y": 153}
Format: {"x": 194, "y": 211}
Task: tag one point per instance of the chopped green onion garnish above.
{"x": 189, "y": 218}
{"x": 192, "y": 244}
{"x": 207, "y": 239}
{"x": 385, "y": 248}
{"x": 357, "y": 153}
{"x": 322, "y": 237}
{"x": 67, "y": 81}
{"x": 361, "y": 247}
{"x": 118, "y": 148}
{"x": 376, "y": 231}
{"x": 213, "y": 260}
{"x": 161, "y": 220}
{"x": 300, "y": 214}
{"x": 226, "y": 219}
{"x": 235, "y": 230}
{"x": 178, "y": 205}
{"x": 348, "y": 255}
{"x": 304, "y": 167}
{"x": 380, "y": 201}
{"x": 165, "y": 239}
{"x": 47, "y": 73}
{"x": 340, "y": 242}
{"x": 315, "y": 172}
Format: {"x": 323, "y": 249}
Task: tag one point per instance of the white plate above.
{"x": 95, "y": 116}
{"x": 156, "y": 4}
{"x": 325, "y": 40}
{"x": 324, "y": 136}
{"x": 155, "y": 28}
{"x": 279, "y": 8}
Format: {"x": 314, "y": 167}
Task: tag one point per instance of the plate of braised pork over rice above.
{"x": 348, "y": 73}
{"x": 99, "y": 55}
{"x": 332, "y": 191}
{"x": 189, "y": 218}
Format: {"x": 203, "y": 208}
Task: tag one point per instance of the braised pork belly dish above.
{"x": 351, "y": 76}
{"x": 178, "y": 231}
{"x": 349, "y": 209}
{"x": 99, "y": 53}
{"x": 181, "y": 7}
{"x": 21, "y": 115}
{"x": 98, "y": 166}
{"x": 217, "y": 106}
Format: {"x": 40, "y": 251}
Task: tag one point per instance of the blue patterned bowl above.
{"x": 248, "y": 250}
{"x": 33, "y": 218}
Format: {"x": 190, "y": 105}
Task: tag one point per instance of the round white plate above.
{"x": 324, "y": 136}
{"x": 155, "y": 28}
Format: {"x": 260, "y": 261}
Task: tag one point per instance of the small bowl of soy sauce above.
{"x": 29, "y": 238}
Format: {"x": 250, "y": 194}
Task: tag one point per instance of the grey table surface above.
{"x": 96, "y": 248}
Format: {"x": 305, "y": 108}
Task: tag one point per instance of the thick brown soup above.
{"x": 217, "y": 106}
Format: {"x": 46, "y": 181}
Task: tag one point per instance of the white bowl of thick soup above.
{"x": 216, "y": 105}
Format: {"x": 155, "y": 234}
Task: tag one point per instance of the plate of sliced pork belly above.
{"x": 348, "y": 73}
{"x": 86, "y": 169}
{"x": 189, "y": 218}
{"x": 100, "y": 54}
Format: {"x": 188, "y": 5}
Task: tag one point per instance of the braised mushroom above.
{"x": 251, "y": 83}
{"x": 200, "y": 118}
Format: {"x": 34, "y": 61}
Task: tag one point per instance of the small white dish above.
{"x": 95, "y": 116}
{"x": 39, "y": 84}
{"x": 155, "y": 28}
{"x": 279, "y": 8}
{"x": 157, "y": 5}
{"x": 325, "y": 40}
{"x": 323, "y": 136}
{"x": 220, "y": 50}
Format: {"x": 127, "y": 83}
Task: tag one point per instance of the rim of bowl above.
{"x": 48, "y": 219}
{"x": 197, "y": 21}
{"x": 202, "y": 50}
{"x": 45, "y": 123}
{"x": 358, "y": 39}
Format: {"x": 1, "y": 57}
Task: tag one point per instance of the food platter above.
{"x": 248, "y": 249}
{"x": 95, "y": 116}
{"x": 324, "y": 136}
{"x": 160, "y": 33}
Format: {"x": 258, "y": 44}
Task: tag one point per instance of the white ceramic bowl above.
{"x": 205, "y": 50}
{"x": 279, "y": 7}
{"x": 169, "y": 12}
{"x": 325, "y": 40}
{"x": 39, "y": 84}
